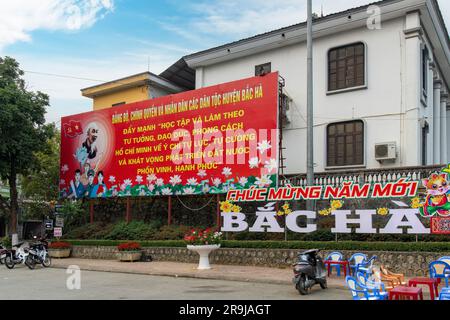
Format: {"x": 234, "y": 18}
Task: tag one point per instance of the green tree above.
{"x": 23, "y": 132}
{"x": 42, "y": 184}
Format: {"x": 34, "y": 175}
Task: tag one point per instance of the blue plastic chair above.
{"x": 335, "y": 256}
{"x": 446, "y": 260}
{"x": 440, "y": 270}
{"x": 357, "y": 258}
{"x": 377, "y": 288}
{"x": 444, "y": 296}
{"x": 360, "y": 292}
{"x": 366, "y": 266}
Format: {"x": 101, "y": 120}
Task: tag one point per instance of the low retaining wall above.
{"x": 408, "y": 263}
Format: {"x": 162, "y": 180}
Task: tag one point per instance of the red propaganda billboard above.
{"x": 204, "y": 141}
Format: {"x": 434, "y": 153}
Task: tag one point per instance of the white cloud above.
{"x": 236, "y": 18}
{"x": 18, "y": 18}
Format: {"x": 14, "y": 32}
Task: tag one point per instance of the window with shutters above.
{"x": 347, "y": 67}
{"x": 345, "y": 144}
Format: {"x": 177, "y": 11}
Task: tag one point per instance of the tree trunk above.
{"x": 13, "y": 198}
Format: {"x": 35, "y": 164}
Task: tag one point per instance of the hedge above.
{"x": 344, "y": 245}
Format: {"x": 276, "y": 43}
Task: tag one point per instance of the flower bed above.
{"x": 130, "y": 251}
{"x": 129, "y": 246}
{"x": 59, "y": 245}
{"x": 59, "y": 249}
{"x": 203, "y": 237}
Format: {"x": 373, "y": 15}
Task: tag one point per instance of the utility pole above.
{"x": 310, "y": 107}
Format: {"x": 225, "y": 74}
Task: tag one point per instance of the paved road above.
{"x": 22, "y": 283}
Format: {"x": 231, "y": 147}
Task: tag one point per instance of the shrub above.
{"x": 97, "y": 230}
{"x": 135, "y": 230}
{"x": 440, "y": 247}
{"x": 171, "y": 233}
{"x": 129, "y": 246}
{"x": 6, "y": 242}
{"x": 59, "y": 245}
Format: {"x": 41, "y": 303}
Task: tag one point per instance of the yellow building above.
{"x": 139, "y": 87}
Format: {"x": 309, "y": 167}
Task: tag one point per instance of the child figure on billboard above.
{"x": 77, "y": 189}
{"x": 90, "y": 186}
{"x": 100, "y": 188}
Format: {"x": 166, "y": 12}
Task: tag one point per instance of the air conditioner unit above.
{"x": 386, "y": 151}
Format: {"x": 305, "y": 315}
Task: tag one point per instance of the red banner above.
{"x": 204, "y": 141}
{"x": 440, "y": 226}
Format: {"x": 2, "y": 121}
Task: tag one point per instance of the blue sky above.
{"x": 107, "y": 39}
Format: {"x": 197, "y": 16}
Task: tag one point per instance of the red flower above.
{"x": 59, "y": 245}
{"x": 129, "y": 246}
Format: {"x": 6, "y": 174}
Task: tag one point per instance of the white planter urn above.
{"x": 204, "y": 252}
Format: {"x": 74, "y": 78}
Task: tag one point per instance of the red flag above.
{"x": 72, "y": 129}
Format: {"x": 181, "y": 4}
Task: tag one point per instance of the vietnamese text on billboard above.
{"x": 205, "y": 141}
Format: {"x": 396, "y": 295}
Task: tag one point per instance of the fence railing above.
{"x": 336, "y": 178}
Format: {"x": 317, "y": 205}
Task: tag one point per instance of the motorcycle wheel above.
{"x": 30, "y": 262}
{"x": 9, "y": 263}
{"x": 47, "y": 262}
{"x": 301, "y": 286}
{"x": 324, "y": 285}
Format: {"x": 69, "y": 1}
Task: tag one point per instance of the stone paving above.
{"x": 174, "y": 269}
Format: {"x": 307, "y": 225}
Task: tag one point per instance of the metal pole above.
{"x": 128, "y": 215}
{"x": 218, "y": 215}
{"x": 169, "y": 211}
{"x": 310, "y": 107}
{"x": 91, "y": 212}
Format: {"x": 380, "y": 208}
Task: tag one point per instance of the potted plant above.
{"x": 203, "y": 242}
{"x": 59, "y": 249}
{"x": 130, "y": 251}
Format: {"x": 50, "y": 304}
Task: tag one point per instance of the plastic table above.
{"x": 405, "y": 292}
{"x": 345, "y": 264}
{"x": 433, "y": 284}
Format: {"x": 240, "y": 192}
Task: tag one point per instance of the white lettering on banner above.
{"x": 291, "y": 221}
{"x": 364, "y": 221}
{"x": 398, "y": 222}
{"x": 230, "y": 220}
{"x": 266, "y": 220}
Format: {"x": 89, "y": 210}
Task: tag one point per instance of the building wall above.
{"x": 448, "y": 135}
{"x": 128, "y": 96}
{"x": 390, "y": 106}
{"x": 156, "y": 92}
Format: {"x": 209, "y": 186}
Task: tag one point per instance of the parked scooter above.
{"x": 39, "y": 252}
{"x": 309, "y": 270}
{"x": 19, "y": 254}
{"x": 3, "y": 253}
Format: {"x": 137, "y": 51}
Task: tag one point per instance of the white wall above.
{"x": 379, "y": 105}
{"x": 448, "y": 134}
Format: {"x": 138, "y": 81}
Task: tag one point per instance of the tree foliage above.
{"x": 23, "y": 132}
{"x": 42, "y": 184}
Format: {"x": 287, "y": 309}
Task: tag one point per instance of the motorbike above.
{"x": 309, "y": 270}
{"x": 19, "y": 254}
{"x": 3, "y": 253}
{"x": 39, "y": 252}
